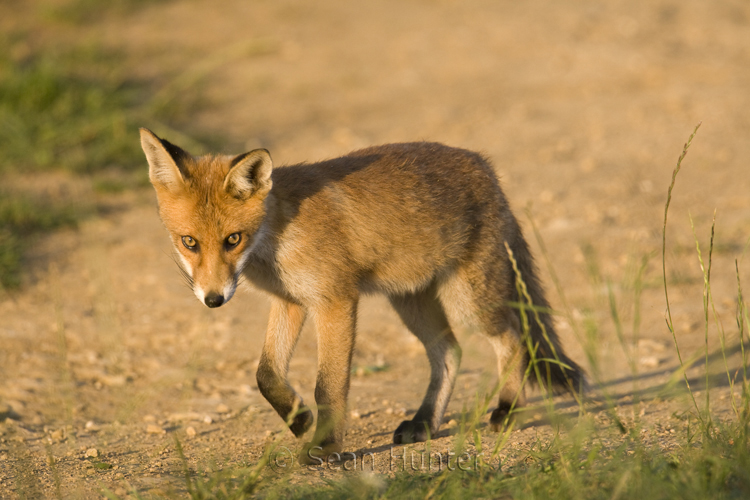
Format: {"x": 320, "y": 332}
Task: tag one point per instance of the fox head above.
{"x": 212, "y": 206}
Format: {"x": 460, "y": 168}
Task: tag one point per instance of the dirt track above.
{"x": 583, "y": 109}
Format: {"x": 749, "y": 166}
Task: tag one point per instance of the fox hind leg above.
{"x": 488, "y": 290}
{"x": 511, "y": 366}
{"x": 424, "y": 316}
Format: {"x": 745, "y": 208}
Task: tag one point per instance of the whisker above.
{"x": 240, "y": 280}
{"x": 186, "y": 278}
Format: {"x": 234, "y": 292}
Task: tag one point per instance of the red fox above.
{"x": 425, "y": 224}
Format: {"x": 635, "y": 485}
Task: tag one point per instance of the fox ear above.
{"x": 249, "y": 173}
{"x": 164, "y": 160}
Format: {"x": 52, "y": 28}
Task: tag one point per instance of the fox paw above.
{"x": 411, "y": 431}
{"x": 301, "y": 423}
{"x": 501, "y": 417}
{"x": 313, "y": 454}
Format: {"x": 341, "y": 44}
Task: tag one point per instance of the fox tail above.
{"x": 554, "y": 369}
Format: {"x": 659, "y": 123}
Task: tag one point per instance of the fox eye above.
{"x": 233, "y": 239}
{"x": 189, "y": 242}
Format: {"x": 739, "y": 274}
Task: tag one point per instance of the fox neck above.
{"x": 260, "y": 264}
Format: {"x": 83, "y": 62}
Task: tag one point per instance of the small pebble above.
{"x": 190, "y": 431}
{"x": 91, "y": 453}
{"x": 154, "y": 429}
{"x": 650, "y": 361}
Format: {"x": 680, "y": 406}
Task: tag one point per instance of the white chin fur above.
{"x": 229, "y": 290}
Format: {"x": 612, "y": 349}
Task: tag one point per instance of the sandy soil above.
{"x": 106, "y": 357}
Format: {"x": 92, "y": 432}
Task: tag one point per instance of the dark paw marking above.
{"x": 500, "y": 417}
{"x": 411, "y": 431}
{"x": 301, "y": 423}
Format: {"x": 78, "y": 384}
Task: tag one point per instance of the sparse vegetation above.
{"x": 23, "y": 216}
{"x": 81, "y": 11}
{"x": 61, "y": 110}
{"x": 64, "y": 109}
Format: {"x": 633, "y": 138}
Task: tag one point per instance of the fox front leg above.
{"x": 335, "y": 324}
{"x": 284, "y": 325}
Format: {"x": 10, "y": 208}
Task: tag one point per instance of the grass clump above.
{"x": 64, "y": 110}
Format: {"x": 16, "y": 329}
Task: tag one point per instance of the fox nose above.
{"x": 214, "y": 299}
